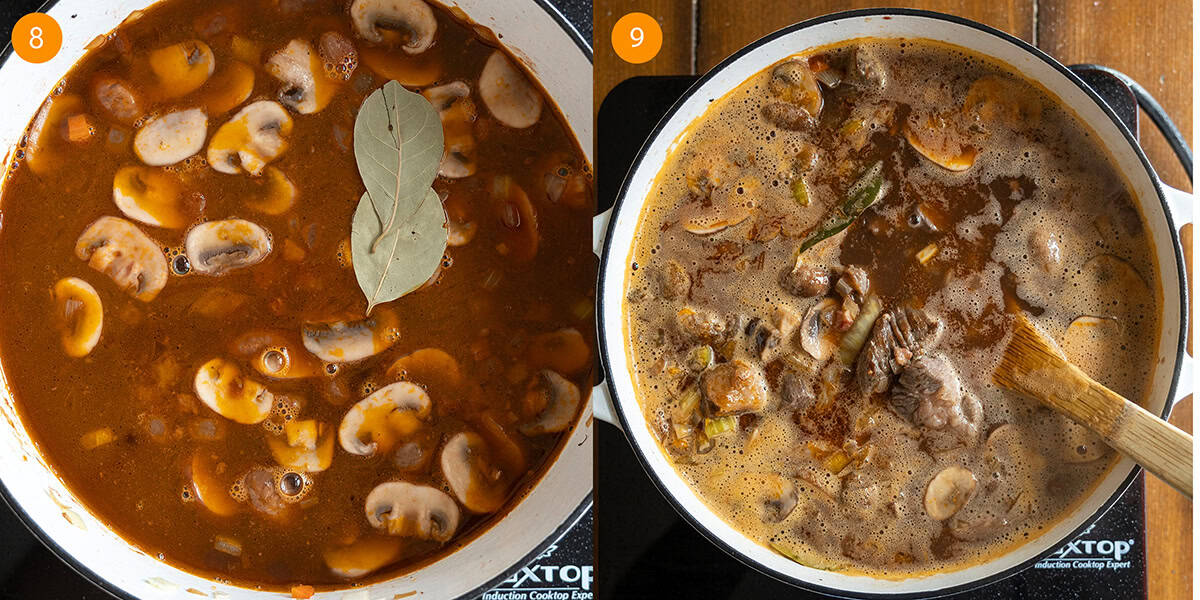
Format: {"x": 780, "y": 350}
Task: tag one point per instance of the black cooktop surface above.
{"x": 645, "y": 550}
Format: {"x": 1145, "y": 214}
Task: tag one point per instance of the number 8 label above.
{"x": 36, "y": 37}
{"x": 637, "y": 38}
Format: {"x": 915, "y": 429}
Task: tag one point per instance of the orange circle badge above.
{"x": 37, "y": 37}
{"x": 637, "y": 38}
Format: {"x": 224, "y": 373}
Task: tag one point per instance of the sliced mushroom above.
{"x": 227, "y": 89}
{"x": 781, "y": 497}
{"x": 409, "y": 510}
{"x": 221, "y": 385}
{"x": 152, "y": 196}
{"x": 816, "y": 330}
{"x": 939, "y": 139}
{"x": 793, "y": 82}
{"x": 508, "y": 93}
{"x": 564, "y": 351}
{"x": 169, "y": 138}
{"x": 433, "y": 369}
{"x": 412, "y": 16}
{"x": 711, "y": 222}
{"x": 301, "y": 68}
{"x": 362, "y": 557}
{"x": 1004, "y": 100}
{"x": 47, "y": 144}
{"x": 210, "y": 489}
{"x": 388, "y": 415}
{"x": 181, "y": 68}
{"x": 252, "y": 138}
{"x": 118, "y": 99}
{"x": 410, "y": 71}
{"x": 948, "y": 491}
{"x": 129, "y": 257}
{"x": 475, "y": 479}
{"x": 80, "y": 315}
{"x": 305, "y": 446}
{"x": 560, "y": 398}
{"x": 275, "y": 193}
{"x": 457, "y": 112}
{"x": 348, "y": 341}
{"x": 277, "y": 354}
{"x": 217, "y": 247}
{"x": 519, "y": 235}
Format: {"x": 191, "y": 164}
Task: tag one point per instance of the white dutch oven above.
{"x": 561, "y": 60}
{"x": 1165, "y": 210}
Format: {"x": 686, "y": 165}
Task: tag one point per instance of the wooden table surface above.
{"x": 1151, "y": 41}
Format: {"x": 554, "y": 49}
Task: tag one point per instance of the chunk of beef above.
{"x": 674, "y": 282}
{"x": 929, "y": 393}
{"x": 898, "y": 336}
{"x": 806, "y": 281}
{"x": 854, "y": 283}
{"x": 788, "y": 116}
{"x": 700, "y": 325}
{"x": 795, "y": 391}
{"x": 868, "y": 71}
{"x": 734, "y": 387}
{"x": 1045, "y": 247}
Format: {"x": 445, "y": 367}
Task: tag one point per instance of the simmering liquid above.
{"x": 209, "y": 400}
{"x": 825, "y": 277}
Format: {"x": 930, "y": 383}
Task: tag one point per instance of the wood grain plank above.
{"x": 1169, "y": 530}
{"x": 676, "y": 19}
{"x": 1151, "y": 41}
{"x": 724, "y": 27}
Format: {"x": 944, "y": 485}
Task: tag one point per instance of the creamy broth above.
{"x": 831, "y": 397}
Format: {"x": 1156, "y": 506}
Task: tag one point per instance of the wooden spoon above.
{"x": 1033, "y": 366}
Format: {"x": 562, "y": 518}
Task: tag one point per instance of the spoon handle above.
{"x": 1160, "y": 447}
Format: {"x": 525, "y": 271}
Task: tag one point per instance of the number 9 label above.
{"x": 36, "y": 37}
{"x": 637, "y": 38}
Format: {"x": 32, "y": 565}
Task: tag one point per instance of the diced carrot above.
{"x": 80, "y": 128}
{"x": 303, "y": 592}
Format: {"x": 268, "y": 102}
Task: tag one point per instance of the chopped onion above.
{"x": 228, "y": 545}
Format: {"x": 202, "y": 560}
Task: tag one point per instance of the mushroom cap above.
{"x": 362, "y": 557}
{"x": 181, "y": 68}
{"x": 473, "y": 477}
{"x": 169, "y": 138}
{"x": 276, "y": 193}
{"x": 306, "y": 446}
{"x": 251, "y": 138}
{"x": 410, "y": 510}
{"x": 939, "y": 139}
{"x": 152, "y": 196}
{"x": 231, "y": 86}
{"x": 457, "y": 112}
{"x": 222, "y": 387}
{"x": 348, "y": 341}
{"x": 388, "y": 414}
{"x": 129, "y": 257}
{"x": 415, "y": 16}
{"x": 217, "y": 247}
{"x": 301, "y": 68}
{"x": 562, "y": 404}
{"x": 210, "y": 490}
{"x": 80, "y": 315}
{"x": 948, "y": 491}
{"x": 508, "y": 93}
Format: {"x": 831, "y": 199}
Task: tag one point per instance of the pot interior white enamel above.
{"x": 537, "y": 35}
{"x": 828, "y": 30}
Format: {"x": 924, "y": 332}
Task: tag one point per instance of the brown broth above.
{"x": 485, "y": 309}
{"x": 860, "y": 466}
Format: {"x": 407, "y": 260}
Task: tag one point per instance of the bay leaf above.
{"x": 398, "y": 146}
{"x": 398, "y": 235}
{"x": 405, "y": 257}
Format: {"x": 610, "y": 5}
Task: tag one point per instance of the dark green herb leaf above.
{"x": 868, "y": 190}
